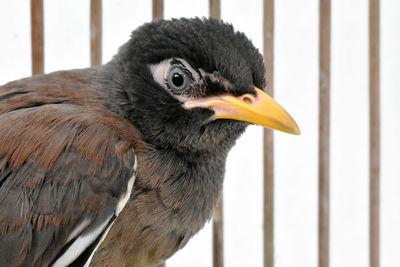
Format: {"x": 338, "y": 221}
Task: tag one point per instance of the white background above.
{"x": 296, "y": 88}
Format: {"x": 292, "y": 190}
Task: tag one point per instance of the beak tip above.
{"x": 295, "y": 130}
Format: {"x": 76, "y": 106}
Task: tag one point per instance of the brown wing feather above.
{"x": 63, "y": 159}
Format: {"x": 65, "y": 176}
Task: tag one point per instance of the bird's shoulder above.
{"x": 66, "y": 165}
{"x": 43, "y": 115}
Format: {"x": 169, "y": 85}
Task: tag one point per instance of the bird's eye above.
{"x": 177, "y": 79}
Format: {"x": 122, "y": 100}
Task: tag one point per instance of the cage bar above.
{"x": 158, "y": 9}
{"x": 95, "y": 32}
{"x": 324, "y": 130}
{"x": 268, "y": 29}
{"x": 374, "y": 96}
{"x": 215, "y": 8}
{"x": 218, "y": 238}
{"x": 37, "y": 37}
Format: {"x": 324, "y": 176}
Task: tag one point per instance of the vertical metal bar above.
{"x": 269, "y": 138}
{"x": 158, "y": 13}
{"x": 218, "y": 218}
{"x": 158, "y": 9}
{"x": 37, "y": 36}
{"x": 95, "y": 32}
{"x": 218, "y": 238}
{"x": 215, "y": 8}
{"x": 374, "y": 95}
{"x": 324, "y": 130}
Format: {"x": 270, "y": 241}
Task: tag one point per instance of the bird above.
{"x": 122, "y": 163}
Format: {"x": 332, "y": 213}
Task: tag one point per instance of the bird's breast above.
{"x": 167, "y": 207}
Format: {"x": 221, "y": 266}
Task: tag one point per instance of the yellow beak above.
{"x": 259, "y": 109}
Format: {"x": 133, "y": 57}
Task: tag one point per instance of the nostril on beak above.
{"x": 248, "y": 99}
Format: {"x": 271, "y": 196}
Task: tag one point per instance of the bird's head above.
{"x": 195, "y": 84}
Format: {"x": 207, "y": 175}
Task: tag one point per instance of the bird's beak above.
{"x": 259, "y": 109}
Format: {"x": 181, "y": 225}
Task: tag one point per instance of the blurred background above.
{"x": 296, "y": 83}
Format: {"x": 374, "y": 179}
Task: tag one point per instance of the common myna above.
{"x": 134, "y": 149}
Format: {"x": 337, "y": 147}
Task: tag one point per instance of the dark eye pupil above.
{"x": 178, "y": 79}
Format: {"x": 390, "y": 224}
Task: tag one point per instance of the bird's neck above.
{"x": 188, "y": 186}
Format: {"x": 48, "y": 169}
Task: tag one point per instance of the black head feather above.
{"x": 207, "y": 44}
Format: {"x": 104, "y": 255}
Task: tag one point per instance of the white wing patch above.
{"x": 125, "y": 197}
{"x": 80, "y": 244}
{"x": 78, "y": 230}
{"x": 97, "y": 246}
